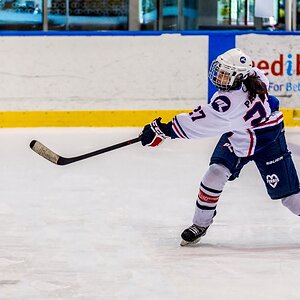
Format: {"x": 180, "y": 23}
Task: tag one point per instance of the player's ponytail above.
{"x": 255, "y": 86}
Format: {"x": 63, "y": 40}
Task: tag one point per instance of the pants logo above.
{"x": 272, "y": 180}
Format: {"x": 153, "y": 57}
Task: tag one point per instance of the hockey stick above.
{"x": 45, "y": 152}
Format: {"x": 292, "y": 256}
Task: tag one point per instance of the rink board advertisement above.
{"x": 279, "y": 57}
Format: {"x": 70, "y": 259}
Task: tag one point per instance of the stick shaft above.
{"x": 65, "y": 161}
{"x": 48, "y": 154}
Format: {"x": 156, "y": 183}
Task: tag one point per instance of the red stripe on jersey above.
{"x": 271, "y": 122}
{"x": 207, "y": 198}
{"x": 251, "y": 142}
{"x": 176, "y": 129}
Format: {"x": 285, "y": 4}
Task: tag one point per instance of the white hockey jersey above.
{"x": 250, "y": 126}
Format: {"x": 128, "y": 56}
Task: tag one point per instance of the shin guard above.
{"x": 210, "y": 190}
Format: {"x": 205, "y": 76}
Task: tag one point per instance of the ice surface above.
{"x": 109, "y": 227}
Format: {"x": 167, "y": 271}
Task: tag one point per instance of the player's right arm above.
{"x": 204, "y": 121}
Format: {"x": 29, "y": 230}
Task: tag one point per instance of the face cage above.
{"x": 221, "y": 78}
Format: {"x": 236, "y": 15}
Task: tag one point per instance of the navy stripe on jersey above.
{"x": 177, "y": 128}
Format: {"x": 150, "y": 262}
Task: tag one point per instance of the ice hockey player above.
{"x": 251, "y": 129}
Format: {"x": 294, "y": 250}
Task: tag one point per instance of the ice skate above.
{"x": 192, "y": 235}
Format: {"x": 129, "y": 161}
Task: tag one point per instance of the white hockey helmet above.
{"x": 229, "y": 69}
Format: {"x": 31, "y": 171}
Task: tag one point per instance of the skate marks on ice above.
{"x": 8, "y": 282}
{"x": 219, "y": 249}
{"x": 9, "y": 263}
{"x": 262, "y": 238}
{"x": 240, "y": 270}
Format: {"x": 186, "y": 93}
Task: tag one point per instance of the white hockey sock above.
{"x": 292, "y": 202}
{"x": 211, "y": 188}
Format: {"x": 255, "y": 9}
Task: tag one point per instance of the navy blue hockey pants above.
{"x": 274, "y": 163}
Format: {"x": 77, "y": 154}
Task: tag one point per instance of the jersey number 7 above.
{"x": 197, "y": 114}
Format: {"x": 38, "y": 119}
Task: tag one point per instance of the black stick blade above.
{"x": 43, "y": 151}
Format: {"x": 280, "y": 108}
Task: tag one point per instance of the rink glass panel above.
{"x": 133, "y": 15}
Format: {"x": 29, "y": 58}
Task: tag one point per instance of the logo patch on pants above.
{"x": 272, "y": 180}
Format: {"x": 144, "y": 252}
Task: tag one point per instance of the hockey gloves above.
{"x": 155, "y": 133}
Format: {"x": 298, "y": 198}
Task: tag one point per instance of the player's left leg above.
{"x": 278, "y": 171}
{"x": 210, "y": 190}
{"x": 224, "y": 166}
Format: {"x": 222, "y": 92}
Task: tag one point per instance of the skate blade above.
{"x": 185, "y": 243}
